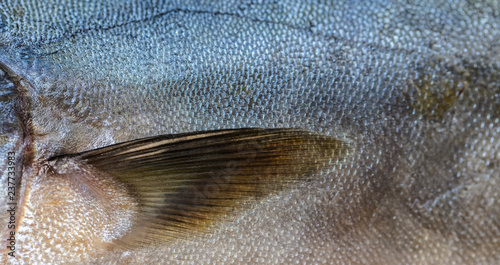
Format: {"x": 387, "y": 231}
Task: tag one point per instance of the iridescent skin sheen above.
{"x": 414, "y": 88}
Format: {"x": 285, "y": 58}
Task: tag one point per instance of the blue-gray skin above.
{"x": 413, "y": 87}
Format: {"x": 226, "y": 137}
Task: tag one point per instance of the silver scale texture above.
{"x": 414, "y": 86}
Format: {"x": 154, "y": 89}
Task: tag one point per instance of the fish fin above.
{"x": 185, "y": 182}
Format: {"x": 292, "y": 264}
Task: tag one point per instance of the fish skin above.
{"x": 414, "y": 87}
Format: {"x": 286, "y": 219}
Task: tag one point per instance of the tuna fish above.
{"x": 250, "y": 132}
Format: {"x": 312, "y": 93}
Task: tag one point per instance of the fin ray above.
{"x": 185, "y": 182}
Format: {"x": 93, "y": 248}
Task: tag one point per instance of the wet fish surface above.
{"x": 250, "y": 132}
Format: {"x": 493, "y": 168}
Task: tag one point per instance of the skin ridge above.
{"x": 23, "y": 112}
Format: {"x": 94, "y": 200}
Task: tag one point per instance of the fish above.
{"x": 250, "y": 132}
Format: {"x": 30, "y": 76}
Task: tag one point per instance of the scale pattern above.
{"x": 414, "y": 87}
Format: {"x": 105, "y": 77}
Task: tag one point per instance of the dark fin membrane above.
{"x": 185, "y": 182}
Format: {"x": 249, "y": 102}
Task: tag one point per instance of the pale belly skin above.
{"x": 413, "y": 88}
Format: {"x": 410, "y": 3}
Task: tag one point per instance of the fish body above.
{"x": 396, "y": 104}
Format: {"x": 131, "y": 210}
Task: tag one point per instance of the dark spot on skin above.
{"x": 18, "y": 11}
{"x": 438, "y": 88}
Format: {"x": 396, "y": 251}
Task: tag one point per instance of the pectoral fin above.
{"x": 183, "y": 183}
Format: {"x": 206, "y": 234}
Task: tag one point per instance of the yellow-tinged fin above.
{"x": 185, "y": 182}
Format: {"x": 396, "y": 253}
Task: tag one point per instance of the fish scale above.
{"x": 410, "y": 87}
